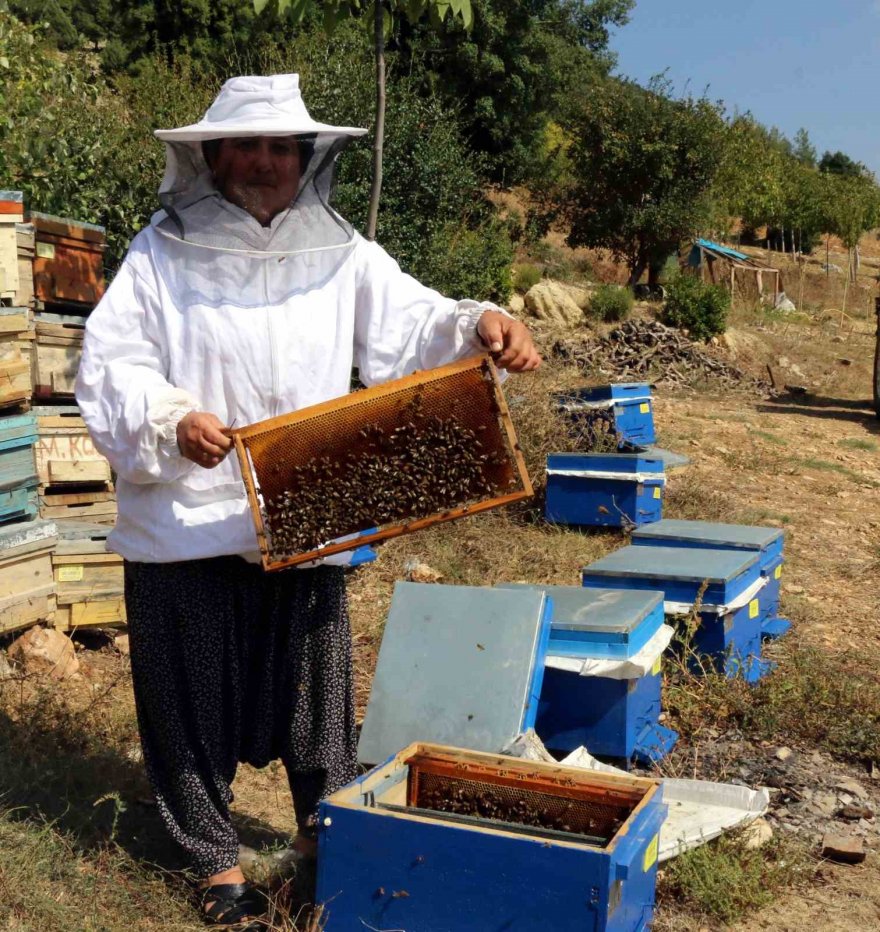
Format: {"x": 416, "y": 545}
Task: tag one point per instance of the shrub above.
{"x": 611, "y": 302}
{"x": 468, "y": 263}
{"x": 525, "y": 277}
{"x": 694, "y": 306}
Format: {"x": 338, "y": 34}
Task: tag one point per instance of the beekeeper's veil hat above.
{"x": 196, "y": 215}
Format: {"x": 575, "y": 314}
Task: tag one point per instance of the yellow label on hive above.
{"x": 651, "y": 852}
{"x": 777, "y": 573}
{"x": 73, "y": 573}
{"x": 754, "y": 608}
{"x": 658, "y": 666}
{"x": 657, "y": 492}
{"x": 46, "y": 250}
{"x": 644, "y": 407}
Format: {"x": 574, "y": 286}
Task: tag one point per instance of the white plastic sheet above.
{"x": 699, "y": 810}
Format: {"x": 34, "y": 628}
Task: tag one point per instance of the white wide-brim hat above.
{"x": 269, "y": 105}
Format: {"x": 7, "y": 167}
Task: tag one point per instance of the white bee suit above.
{"x": 211, "y": 311}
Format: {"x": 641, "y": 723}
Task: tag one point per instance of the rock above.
{"x": 824, "y": 804}
{"x": 421, "y": 572}
{"x": 551, "y": 302}
{"x": 855, "y": 813}
{"x": 120, "y": 642}
{"x": 45, "y": 651}
{"x": 6, "y": 670}
{"x": 757, "y": 834}
{"x": 795, "y": 590}
{"x": 847, "y": 785}
{"x": 846, "y": 849}
{"x": 580, "y": 296}
{"x": 784, "y": 753}
{"x": 845, "y": 362}
{"x": 516, "y": 305}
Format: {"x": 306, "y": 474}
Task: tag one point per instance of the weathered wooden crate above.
{"x": 69, "y": 261}
{"x": 18, "y": 471}
{"x": 16, "y": 348}
{"x": 25, "y": 241}
{"x": 65, "y": 453}
{"x": 89, "y": 582}
{"x": 57, "y": 353}
{"x": 96, "y": 507}
{"x": 11, "y": 213}
{"x": 27, "y": 586}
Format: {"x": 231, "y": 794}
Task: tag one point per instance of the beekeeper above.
{"x": 246, "y": 297}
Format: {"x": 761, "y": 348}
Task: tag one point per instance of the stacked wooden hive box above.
{"x": 57, "y": 501}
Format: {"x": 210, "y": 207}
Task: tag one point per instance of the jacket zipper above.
{"x": 273, "y": 362}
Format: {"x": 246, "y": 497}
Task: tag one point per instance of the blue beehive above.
{"x": 393, "y": 855}
{"x": 767, "y": 542}
{"x": 627, "y": 404}
{"x": 671, "y": 532}
{"x": 611, "y": 716}
{"x": 727, "y": 582}
{"x": 458, "y": 665}
{"x": 604, "y": 489}
{"x": 18, "y": 470}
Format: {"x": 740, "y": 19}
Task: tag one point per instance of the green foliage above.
{"x": 525, "y": 277}
{"x": 643, "y": 166}
{"x": 694, "y": 306}
{"x": 473, "y": 263}
{"x": 82, "y": 147}
{"x": 611, "y": 302}
{"x": 515, "y": 69}
{"x": 726, "y": 879}
{"x": 839, "y": 163}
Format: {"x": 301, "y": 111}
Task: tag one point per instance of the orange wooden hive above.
{"x": 274, "y": 453}
{"x": 69, "y": 261}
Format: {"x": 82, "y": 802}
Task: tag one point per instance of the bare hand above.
{"x": 203, "y": 438}
{"x": 509, "y": 341}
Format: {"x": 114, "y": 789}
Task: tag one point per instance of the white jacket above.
{"x": 180, "y": 331}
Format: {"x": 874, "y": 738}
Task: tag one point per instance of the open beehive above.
{"x": 442, "y": 838}
{"x": 389, "y": 460}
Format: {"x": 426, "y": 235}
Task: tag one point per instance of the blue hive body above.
{"x": 388, "y": 869}
{"x": 604, "y": 490}
{"x": 616, "y": 718}
{"x": 629, "y": 404}
{"x": 18, "y": 471}
{"x": 729, "y": 633}
{"x": 767, "y": 542}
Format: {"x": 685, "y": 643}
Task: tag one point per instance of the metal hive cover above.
{"x": 746, "y": 536}
{"x": 612, "y": 611}
{"x": 458, "y": 665}
{"x": 688, "y": 564}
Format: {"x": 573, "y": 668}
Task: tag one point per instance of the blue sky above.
{"x": 792, "y": 63}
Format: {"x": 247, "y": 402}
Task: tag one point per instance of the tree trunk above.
{"x": 636, "y": 271}
{"x": 379, "y": 136}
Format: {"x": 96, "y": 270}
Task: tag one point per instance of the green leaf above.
{"x": 467, "y": 14}
{"x": 260, "y": 5}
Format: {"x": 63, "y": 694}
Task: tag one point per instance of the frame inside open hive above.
{"x": 381, "y": 462}
{"x": 469, "y": 789}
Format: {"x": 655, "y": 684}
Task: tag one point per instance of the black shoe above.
{"x": 237, "y": 907}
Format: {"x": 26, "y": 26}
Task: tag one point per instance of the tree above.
{"x": 643, "y": 166}
{"x": 839, "y": 163}
{"x": 515, "y": 69}
{"x": 383, "y": 13}
{"x": 804, "y": 150}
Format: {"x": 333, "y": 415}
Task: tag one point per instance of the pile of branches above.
{"x": 646, "y": 350}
